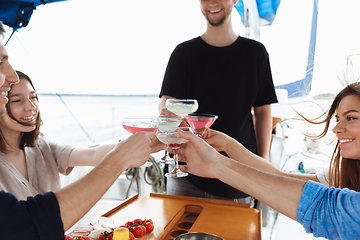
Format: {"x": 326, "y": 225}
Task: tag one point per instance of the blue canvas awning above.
{"x": 303, "y": 86}
{"x": 17, "y": 13}
{"x": 266, "y": 9}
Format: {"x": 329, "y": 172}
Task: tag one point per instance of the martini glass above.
{"x": 182, "y": 107}
{"x": 139, "y": 124}
{"x": 200, "y": 122}
{"x": 164, "y": 124}
{"x": 171, "y": 137}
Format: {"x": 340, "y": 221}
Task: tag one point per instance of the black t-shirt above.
{"x": 226, "y": 81}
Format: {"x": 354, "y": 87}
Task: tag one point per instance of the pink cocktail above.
{"x": 200, "y": 122}
{"x": 138, "y": 124}
{"x": 134, "y": 129}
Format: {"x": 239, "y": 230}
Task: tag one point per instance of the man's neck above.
{"x": 220, "y": 36}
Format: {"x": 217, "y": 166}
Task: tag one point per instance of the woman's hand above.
{"x": 200, "y": 157}
{"x": 216, "y": 139}
{"x": 135, "y": 150}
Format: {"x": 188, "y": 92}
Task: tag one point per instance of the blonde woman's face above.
{"x": 347, "y": 128}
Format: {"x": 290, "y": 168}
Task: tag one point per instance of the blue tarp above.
{"x": 303, "y": 86}
{"x": 17, "y": 13}
{"x": 266, "y": 9}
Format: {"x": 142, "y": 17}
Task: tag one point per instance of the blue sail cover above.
{"x": 17, "y": 13}
{"x": 303, "y": 86}
{"x": 266, "y": 9}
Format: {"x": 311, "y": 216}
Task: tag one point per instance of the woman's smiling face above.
{"x": 347, "y": 128}
{"x": 23, "y": 106}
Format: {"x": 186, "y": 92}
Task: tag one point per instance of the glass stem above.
{"x": 175, "y": 151}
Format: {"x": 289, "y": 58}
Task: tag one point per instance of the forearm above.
{"x": 89, "y": 156}
{"x": 279, "y": 192}
{"x": 238, "y": 152}
{"x": 76, "y": 199}
{"x": 263, "y": 129}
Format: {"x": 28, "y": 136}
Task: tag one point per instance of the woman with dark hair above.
{"x": 29, "y": 164}
{"x": 331, "y": 212}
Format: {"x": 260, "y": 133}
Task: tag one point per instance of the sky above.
{"x": 122, "y": 47}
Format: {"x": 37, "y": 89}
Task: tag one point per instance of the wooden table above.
{"x": 175, "y": 215}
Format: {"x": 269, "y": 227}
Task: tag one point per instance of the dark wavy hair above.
{"x": 343, "y": 172}
{"x": 28, "y": 139}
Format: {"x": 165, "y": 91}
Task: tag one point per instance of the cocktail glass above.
{"x": 166, "y": 122}
{"x": 138, "y": 124}
{"x": 171, "y": 137}
{"x": 200, "y": 122}
{"x": 182, "y": 107}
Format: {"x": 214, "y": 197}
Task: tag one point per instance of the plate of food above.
{"x": 103, "y": 229}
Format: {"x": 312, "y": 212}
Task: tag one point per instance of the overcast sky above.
{"x": 122, "y": 47}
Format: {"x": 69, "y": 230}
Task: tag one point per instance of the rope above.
{"x": 133, "y": 175}
{"x": 153, "y": 175}
{"x": 10, "y": 37}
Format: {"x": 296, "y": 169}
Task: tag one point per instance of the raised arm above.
{"x": 279, "y": 192}
{"x": 76, "y": 199}
{"x": 236, "y": 151}
{"x": 89, "y": 156}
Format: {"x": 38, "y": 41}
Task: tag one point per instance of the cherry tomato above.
{"x": 129, "y": 223}
{"x": 149, "y": 220}
{"x": 85, "y": 238}
{"x": 131, "y": 236}
{"x": 68, "y": 237}
{"x": 137, "y": 221}
{"x": 144, "y": 229}
{"x": 101, "y": 237}
{"x": 149, "y": 227}
{"x": 138, "y": 232}
{"x": 110, "y": 237}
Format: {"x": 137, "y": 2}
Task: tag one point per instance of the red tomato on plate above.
{"x": 148, "y": 221}
{"x": 149, "y": 227}
{"x": 137, "y": 221}
{"x": 110, "y": 237}
{"x": 131, "y": 236}
{"x": 138, "y": 231}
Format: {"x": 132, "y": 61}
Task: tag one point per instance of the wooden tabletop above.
{"x": 175, "y": 215}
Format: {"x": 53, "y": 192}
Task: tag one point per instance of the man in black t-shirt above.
{"x": 228, "y": 75}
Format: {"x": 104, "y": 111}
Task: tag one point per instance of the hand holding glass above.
{"x": 171, "y": 137}
{"x": 138, "y": 124}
